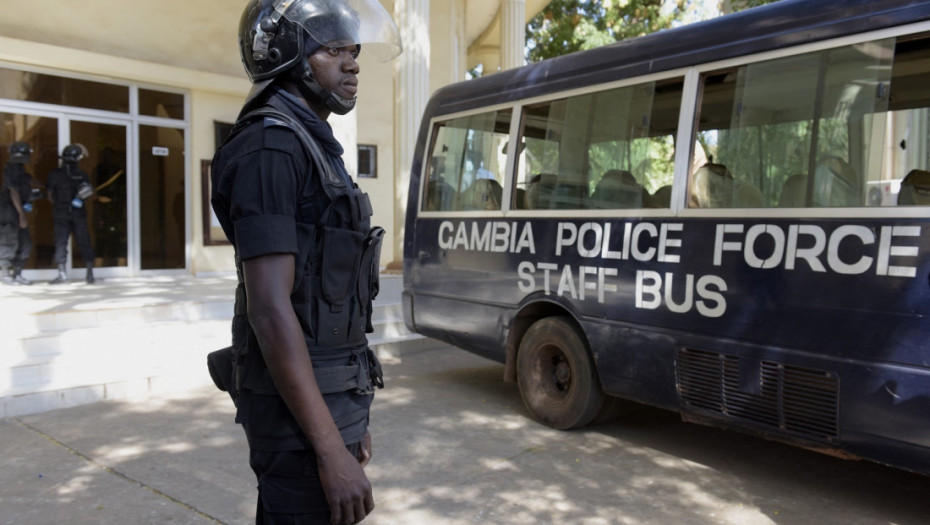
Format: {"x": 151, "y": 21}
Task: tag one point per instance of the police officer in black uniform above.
{"x": 307, "y": 258}
{"x": 68, "y": 188}
{"x": 15, "y": 203}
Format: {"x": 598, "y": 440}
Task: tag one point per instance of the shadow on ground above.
{"x": 452, "y": 446}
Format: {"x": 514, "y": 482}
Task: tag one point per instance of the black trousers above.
{"x": 23, "y": 248}
{"x": 8, "y": 242}
{"x": 73, "y": 222}
{"x": 289, "y": 488}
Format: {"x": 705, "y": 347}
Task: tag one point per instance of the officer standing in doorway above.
{"x": 68, "y": 188}
{"x": 307, "y": 258}
{"x": 15, "y": 204}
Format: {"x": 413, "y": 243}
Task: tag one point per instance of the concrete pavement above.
{"x": 452, "y": 446}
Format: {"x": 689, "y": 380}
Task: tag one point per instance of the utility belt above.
{"x": 362, "y": 375}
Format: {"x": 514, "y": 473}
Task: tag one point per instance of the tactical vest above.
{"x": 335, "y": 283}
{"x": 69, "y": 183}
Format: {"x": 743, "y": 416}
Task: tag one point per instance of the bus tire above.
{"x": 556, "y": 377}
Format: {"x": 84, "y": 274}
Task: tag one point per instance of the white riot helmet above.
{"x": 276, "y": 36}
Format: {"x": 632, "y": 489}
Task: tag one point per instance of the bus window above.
{"x": 908, "y": 118}
{"x": 764, "y": 128}
{"x": 467, "y": 161}
{"x": 612, "y": 149}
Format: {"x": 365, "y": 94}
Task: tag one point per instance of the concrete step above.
{"x": 142, "y": 309}
{"x": 130, "y": 346}
{"x": 75, "y": 331}
{"x": 100, "y": 355}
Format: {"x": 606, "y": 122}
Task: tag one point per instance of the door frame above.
{"x": 64, "y": 118}
{"x": 132, "y": 234}
{"x": 135, "y": 196}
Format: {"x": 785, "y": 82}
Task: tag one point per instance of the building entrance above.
{"x": 136, "y": 217}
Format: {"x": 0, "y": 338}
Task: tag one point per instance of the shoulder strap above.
{"x": 332, "y": 184}
{"x": 330, "y": 178}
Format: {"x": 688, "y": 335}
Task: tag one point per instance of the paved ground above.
{"x": 452, "y": 447}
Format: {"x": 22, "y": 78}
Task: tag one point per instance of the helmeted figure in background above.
{"x": 68, "y": 188}
{"x": 16, "y": 198}
{"x": 300, "y": 368}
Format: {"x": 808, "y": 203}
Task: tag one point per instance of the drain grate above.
{"x": 796, "y": 400}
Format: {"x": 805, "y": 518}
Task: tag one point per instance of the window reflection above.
{"x": 51, "y": 89}
{"x": 161, "y": 104}
{"x": 467, "y": 163}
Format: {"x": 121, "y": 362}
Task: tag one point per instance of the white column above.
{"x": 459, "y": 46}
{"x": 513, "y": 33}
{"x": 411, "y": 80}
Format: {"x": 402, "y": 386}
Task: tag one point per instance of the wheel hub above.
{"x": 563, "y": 373}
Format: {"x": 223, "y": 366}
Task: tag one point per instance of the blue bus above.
{"x": 730, "y": 220}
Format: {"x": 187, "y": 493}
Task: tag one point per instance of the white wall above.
{"x": 375, "y": 124}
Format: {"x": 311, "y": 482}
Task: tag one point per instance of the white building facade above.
{"x": 149, "y": 87}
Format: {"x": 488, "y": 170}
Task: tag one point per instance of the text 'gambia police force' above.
{"x": 884, "y": 250}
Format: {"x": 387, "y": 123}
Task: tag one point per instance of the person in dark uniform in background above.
{"x": 109, "y": 224}
{"x": 15, "y": 204}
{"x": 68, "y": 188}
{"x": 300, "y": 224}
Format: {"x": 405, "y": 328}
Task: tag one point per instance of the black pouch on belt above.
{"x": 220, "y": 365}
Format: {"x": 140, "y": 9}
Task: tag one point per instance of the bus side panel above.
{"x": 851, "y": 289}
{"x": 461, "y": 296}
{"x": 633, "y": 363}
{"x": 475, "y": 327}
{"x": 787, "y": 318}
{"x": 884, "y": 414}
{"x": 874, "y": 410}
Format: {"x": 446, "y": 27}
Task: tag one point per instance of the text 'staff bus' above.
{"x": 730, "y": 220}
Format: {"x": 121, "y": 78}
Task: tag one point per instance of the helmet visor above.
{"x": 340, "y": 23}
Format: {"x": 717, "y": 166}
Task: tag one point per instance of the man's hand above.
{"x": 347, "y": 489}
{"x": 23, "y": 221}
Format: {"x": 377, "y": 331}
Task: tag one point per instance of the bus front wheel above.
{"x": 555, "y": 374}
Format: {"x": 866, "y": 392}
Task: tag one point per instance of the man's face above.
{"x": 335, "y": 69}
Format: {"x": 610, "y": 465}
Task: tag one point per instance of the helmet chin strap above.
{"x": 311, "y": 89}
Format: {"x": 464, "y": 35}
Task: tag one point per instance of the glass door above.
{"x": 162, "y": 198}
{"x": 105, "y": 164}
{"x": 137, "y": 216}
{"x": 108, "y": 209}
